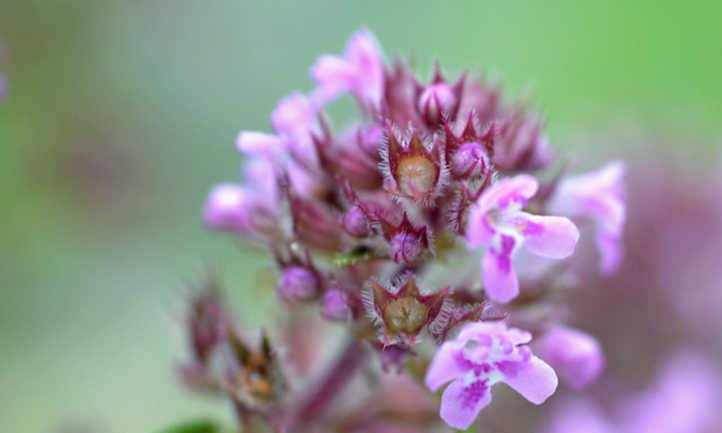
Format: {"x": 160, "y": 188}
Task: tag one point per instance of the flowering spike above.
{"x": 393, "y": 195}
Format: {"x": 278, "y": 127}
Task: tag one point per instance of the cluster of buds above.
{"x": 364, "y": 223}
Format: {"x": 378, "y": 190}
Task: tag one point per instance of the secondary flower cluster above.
{"x": 364, "y": 221}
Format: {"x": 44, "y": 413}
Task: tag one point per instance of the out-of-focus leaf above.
{"x": 196, "y": 426}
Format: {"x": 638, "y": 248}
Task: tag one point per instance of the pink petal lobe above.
{"x": 550, "y": 236}
{"x": 535, "y": 380}
{"x": 461, "y": 404}
{"x": 445, "y": 366}
{"x": 500, "y": 280}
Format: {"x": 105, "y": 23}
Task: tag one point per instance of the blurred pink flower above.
{"x": 598, "y": 195}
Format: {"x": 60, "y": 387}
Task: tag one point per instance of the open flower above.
{"x": 248, "y": 209}
{"x": 484, "y": 354}
{"x": 598, "y": 195}
{"x": 498, "y": 221}
{"x": 360, "y": 71}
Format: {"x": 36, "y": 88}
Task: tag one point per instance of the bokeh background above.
{"x": 120, "y": 115}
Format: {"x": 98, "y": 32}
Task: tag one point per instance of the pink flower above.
{"x": 291, "y": 150}
{"x": 360, "y": 71}
{"x": 576, "y": 356}
{"x": 598, "y": 195}
{"x": 579, "y": 416}
{"x": 248, "y": 209}
{"x": 294, "y": 119}
{"x": 498, "y": 221}
{"x": 483, "y": 354}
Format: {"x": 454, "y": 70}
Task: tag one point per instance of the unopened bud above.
{"x": 435, "y": 100}
{"x": 299, "y": 283}
{"x": 470, "y": 160}
{"x": 334, "y": 305}
{"x": 355, "y": 222}
{"x": 226, "y": 208}
{"x": 405, "y": 247}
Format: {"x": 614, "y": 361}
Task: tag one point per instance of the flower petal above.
{"x": 445, "y": 366}
{"x": 478, "y": 230}
{"x": 461, "y": 403}
{"x": 226, "y": 208}
{"x": 611, "y": 253}
{"x": 549, "y": 236}
{"x": 535, "y": 380}
{"x": 517, "y": 189}
{"x": 500, "y": 280}
{"x": 258, "y": 143}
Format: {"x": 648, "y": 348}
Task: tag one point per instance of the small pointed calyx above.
{"x": 413, "y": 170}
{"x": 406, "y": 242}
{"x": 403, "y": 311}
{"x": 254, "y": 378}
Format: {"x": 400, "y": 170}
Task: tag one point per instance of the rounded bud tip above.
{"x": 298, "y": 283}
{"x": 435, "y": 100}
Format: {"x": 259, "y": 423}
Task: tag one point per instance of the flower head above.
{"x": 484, "y": 354}
{"x": 598, "y": 195}
{"x": 498, "y": 222}
{"x": 576, "y": 356}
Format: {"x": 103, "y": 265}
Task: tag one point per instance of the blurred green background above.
{"x": 121, "y": 114}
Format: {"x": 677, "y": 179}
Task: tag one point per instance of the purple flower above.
{"x": 576, "y": 356}
{"x": 248, "y": 209}
{"x": 360, "y": 71}
{"x": 598, "y": 195}
{"x": 497, "y": 220}
{"x": 293, "y": 118}
{"x": 483, "y": 354}
{"x": 682, "y": 399}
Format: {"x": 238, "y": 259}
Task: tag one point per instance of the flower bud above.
{"x": 435, "y": 100}
{"x": 226, "y": 208}
{"x": 576, "y": 356}
{"x": 334, "y": 305}
{"x": 470, "y": 160}
{"x": 299, "y": 283}
{"x": 405, "y": 247}
{"x": 355, "y": 222}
